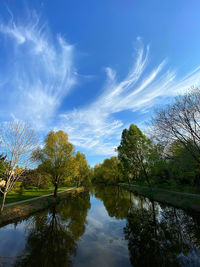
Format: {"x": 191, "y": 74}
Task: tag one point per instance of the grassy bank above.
{"x": 14, "y": 213}
{"x": 29, "y": 192}
{"x": 178, "y": 199}
{"x": 175, "y": 187}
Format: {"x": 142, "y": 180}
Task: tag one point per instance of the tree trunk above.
{"x": 3, "y": 202}
{"x": 55, "y": 190}
{"x": 154, "y": 218}
{"x": 147, "y": 177}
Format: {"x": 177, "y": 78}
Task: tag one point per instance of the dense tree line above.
{"x": 169, "y": 154}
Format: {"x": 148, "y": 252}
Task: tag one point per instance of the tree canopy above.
{"x": 55, "y": 156}
{"x": 133, "y": 152}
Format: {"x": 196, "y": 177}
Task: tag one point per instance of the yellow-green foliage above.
{"x": 108, "y": 172}
{"x": 78, "y": 170}
{"x": 55, "y": 156}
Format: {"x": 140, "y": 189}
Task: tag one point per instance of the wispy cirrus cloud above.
{"x": 39, "y": 73}
{"x": 95, "y": 127}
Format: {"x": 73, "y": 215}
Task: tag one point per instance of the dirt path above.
{"x": 169, "y": 191}
{"x": 35, "y": 198}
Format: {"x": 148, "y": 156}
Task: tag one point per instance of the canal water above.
{"x": 105, "y": 227}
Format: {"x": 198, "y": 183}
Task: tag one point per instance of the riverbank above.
{"x": 30, "y": 192}
{"x": 25, "y": 208}
{"x": 186, "y": 201}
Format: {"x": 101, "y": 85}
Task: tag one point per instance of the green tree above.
{"x": 78, "y": 170}
{"x": 109, "y": 172}
{"x": 133, "y": 152}
{"x": 55, "y": 157}
{"x": 183, "y": 168}
{"x": 158, "y": 165}
{"x": 83, "y": 169}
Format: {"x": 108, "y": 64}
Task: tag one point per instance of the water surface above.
{"x": 106, "y": 227}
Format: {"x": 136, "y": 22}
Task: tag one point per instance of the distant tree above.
{"x": 109, "y": 172}
{"x": 35, "y": 177}
{"x": 133, "y": 152}
{"x": 55, "y": 157}
{"x": 18, "y": 141}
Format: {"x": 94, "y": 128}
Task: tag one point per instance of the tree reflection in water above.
{"x": 52, "y": 236}
{"x": 157, "y": 235}
{"x": 160, "y": 237}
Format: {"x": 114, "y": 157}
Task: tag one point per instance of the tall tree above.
{"x": 18, "y": 141}
{"x": 55, "y": 157}
{"x": 133, "y": 152}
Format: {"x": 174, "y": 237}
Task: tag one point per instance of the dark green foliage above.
{"x": 134, "y": 152}
{"x": 141, "y": 161}
{"x": 182, "y": 166}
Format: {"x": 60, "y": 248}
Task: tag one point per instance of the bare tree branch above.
{"x": 18, "y": 142}
{"x": 180, "y": 121}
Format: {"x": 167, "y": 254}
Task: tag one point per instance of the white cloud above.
{"x": 40, "y": 74}
{"x": 96, "y": 129}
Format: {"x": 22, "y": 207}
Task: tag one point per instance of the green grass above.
{"x": 180, "y": 188}
{"x": 30, "y": 192}
{"x": 176, "y": 188}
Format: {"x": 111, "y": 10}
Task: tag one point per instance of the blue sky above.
{"x": 93, "y": 67}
